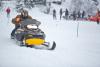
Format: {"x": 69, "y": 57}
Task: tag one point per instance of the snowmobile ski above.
{"x": 53, "y": 46}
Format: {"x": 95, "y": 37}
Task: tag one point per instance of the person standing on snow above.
{"x": 8, "y": 11}
{"x": 97, "y": 16}
{"x": 17, "y": 20}
{"x": 83, "y": 14}
{"x": 54, "y": 14}
{"x": 66, "y": 14}
{"x": 60, "y": 13}
{"x": 74, "y": 15}
{"x": 79, "y": 15}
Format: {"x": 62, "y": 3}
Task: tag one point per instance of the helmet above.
{"x": 24, "y": 13}
{"x": 32, "y": 26}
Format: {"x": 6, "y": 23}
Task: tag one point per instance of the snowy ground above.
{"x": 71, "y": 51}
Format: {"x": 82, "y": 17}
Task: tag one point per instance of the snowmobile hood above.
{"x": 30, "y": 21}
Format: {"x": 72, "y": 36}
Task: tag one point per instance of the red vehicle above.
{"x": 95, "y": 18}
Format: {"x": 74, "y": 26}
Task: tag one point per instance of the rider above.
{"x": 17, "y": 20}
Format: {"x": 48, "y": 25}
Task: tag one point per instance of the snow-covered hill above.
{"x": 71, "y": 51}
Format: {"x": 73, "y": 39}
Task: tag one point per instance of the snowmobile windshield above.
{"x": 32, "y": 26}
{"x": 30, "y": 22}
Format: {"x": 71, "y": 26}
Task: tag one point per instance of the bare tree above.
{"x": 89, "y": 6}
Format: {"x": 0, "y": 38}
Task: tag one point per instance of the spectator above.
{"x": 83, "y": 14}
{"x": 79, "y": 14}
{"x": 54, "y": 14}
{"x": 74, "y": 15}
{"x": 66, "y": 14}
{"x": 8, "y": 11}
{"x": 61, "y": 13}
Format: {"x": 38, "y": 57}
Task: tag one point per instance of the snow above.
{"x": 71, "y": 51}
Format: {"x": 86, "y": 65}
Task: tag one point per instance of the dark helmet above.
{"x": 24, "y": 13}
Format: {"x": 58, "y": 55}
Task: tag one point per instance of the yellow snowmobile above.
{"x": 30, "y": 35}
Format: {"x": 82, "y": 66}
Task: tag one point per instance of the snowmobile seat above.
{"x": 28, "y": 36}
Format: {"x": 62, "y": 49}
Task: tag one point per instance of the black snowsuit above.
{"x": 54, "y": 14}
{"x": 17, "y": 23}
{"x": 83, "y": 14}
{"x": 66, "y": 14}
{"x": 74, "y": 15}
{"x": 60, "y": 13}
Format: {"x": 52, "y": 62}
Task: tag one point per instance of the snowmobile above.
{"x": 95, "y": 18}
{"x": 30, "y": 35}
